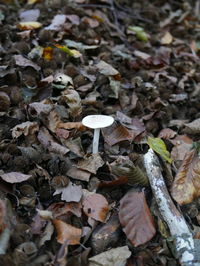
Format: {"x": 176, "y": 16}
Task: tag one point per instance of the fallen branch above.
{"x": 184, "y": 241}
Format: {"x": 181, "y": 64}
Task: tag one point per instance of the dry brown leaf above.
{"x": 14, "y": 177}
{"x": 92, "y": 23}
{"x": 73, "y": 100}
{"x": 96, "y": 207}
{"x": 117, "y": 133}
{"x": 186, "y": 186}
{"x": 26, "y": 128}
{"x": 61, "y": 208}
{"x": 79, "y": 174}
{"x": 70, "y": 193}
{"x": 52, "y": 121}
{"x": 167, "y": 38}
{"x": 167, "y": 133}
{"x": 50, "y": 143}
{"x": 23, "y": 62}
{"x": 182, "y": 145}
{"x": 136, "y": 219}
{"x": 67, "y": 233}
{"x": 37, "y": 108}
{"x": 91, "y": 163}
{"x": 72, "y": 125}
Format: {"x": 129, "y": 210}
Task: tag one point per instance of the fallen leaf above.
{"x": 2, "y": 216}
{"x": 182, "y": 145}
{"x": 193, "y": 127}
{"x": 45, "y": 214}
{"x": 167, "y": 133}
{"x": 106, "y": 69}
{"x": 23, "y": 62}
{"x": 61, "y": 209}
{"x": 121, "y": 180}
{"x": 117, "y": 133}
{"x": 159, "y": 146}
{"x": 186, "y": 186}
{"x": 26, "y": 128}
{"x": 136, "y": 219}
{"x": 57, "y": 22}
{"x": 96, "y": 207}
{"x": 70, "y": 193}
{"x": 74, "y": 19}
{"x": 80, "y": 46}
{"x": 50, "y": 143}
{"x": 73, "y": 100}
{"x": 113, "y": 257}
{"x": 140, "y": 33}
{"x": 47, "y": 53}
{"x": 29, "y": 25}
{"x": 36, "y": 109}
{"x": 79, "y": 174}
{"x": 167, "y": 38}
{"x": 46, "y": 234}
{"x": 92, "y": 23}
{"x": 70, "y": 52}
{"x": 29, "y": 15}
{"x": 14, "y": 177}
{"x": 91, "y": 163}
{"x": 72, "y": 125}
{"x": 67, "y": 233}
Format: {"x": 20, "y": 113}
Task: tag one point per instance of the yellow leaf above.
{"x": 29, "y": 25}
{"x": 167, "y": 38}
{"x": 159, "y": 146}
{"x": 30, "y": 2}
{"x": 70, "y": 52}
{"x": 47, "y": 53}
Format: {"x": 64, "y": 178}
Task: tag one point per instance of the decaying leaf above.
{"x": 91, "y": 163}
{"x": 70, "y": 193}
{"x": 113, "y": 257}
{"x": 136, "y": 219}
{"x": 67, "y": 233}
{"x": 186, "y": 186}
{"x": 159, "y": 146}
{"x": 96, "y": 206}
{"x": 14, "y": 177}
{"x": 59, "y": 209}
{"x": 71, "y": 52}
{"x": 26, "y": 128}
{"x": 47, "y": 53}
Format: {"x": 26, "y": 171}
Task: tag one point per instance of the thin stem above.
{"x": 95, "y": 145}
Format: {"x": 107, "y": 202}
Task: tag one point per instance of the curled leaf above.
{"x": 159, "y": 146}
{"x": 186, "y": 186}
{"x": 26, "y": 128}
{"x": 71, "y": 52}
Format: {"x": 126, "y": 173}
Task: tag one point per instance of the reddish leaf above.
{"x": 61, "y": 208}
{"x": 186, "y": 186}
{"x": 96, "y": 206}
{"x": 117, "y": 133}
{"x": 67, "y": 233}
{"x": 136, "y": 219}
{"x": 121, "y": 180}
{"x": 14, "y": 177}
{"x": 183, "y": 144}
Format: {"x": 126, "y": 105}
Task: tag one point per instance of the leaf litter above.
{"x": 115, "y": 58}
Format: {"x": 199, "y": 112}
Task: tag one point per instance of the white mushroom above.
{"x": 97, "y": 122}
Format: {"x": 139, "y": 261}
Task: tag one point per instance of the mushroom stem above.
{"x": 95, "y": 144}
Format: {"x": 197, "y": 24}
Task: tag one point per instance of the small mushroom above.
{"x": 97, "y": 122}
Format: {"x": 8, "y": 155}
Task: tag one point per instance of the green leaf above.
{"x": 159, "y": 146}
{"x": 140, "y": 33}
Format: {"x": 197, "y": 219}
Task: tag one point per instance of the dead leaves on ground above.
{"x": 136, "y": 219}
{"x": 186, "y": 186}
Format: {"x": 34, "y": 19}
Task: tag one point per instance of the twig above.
{"x": 184, "y": 242}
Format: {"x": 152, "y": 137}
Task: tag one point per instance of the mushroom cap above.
{"x": 97, "y": 121}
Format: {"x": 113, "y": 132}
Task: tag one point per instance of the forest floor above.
{"x": 136, "y": 61}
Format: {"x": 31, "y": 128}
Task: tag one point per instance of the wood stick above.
{"x": 184, "y": 241}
